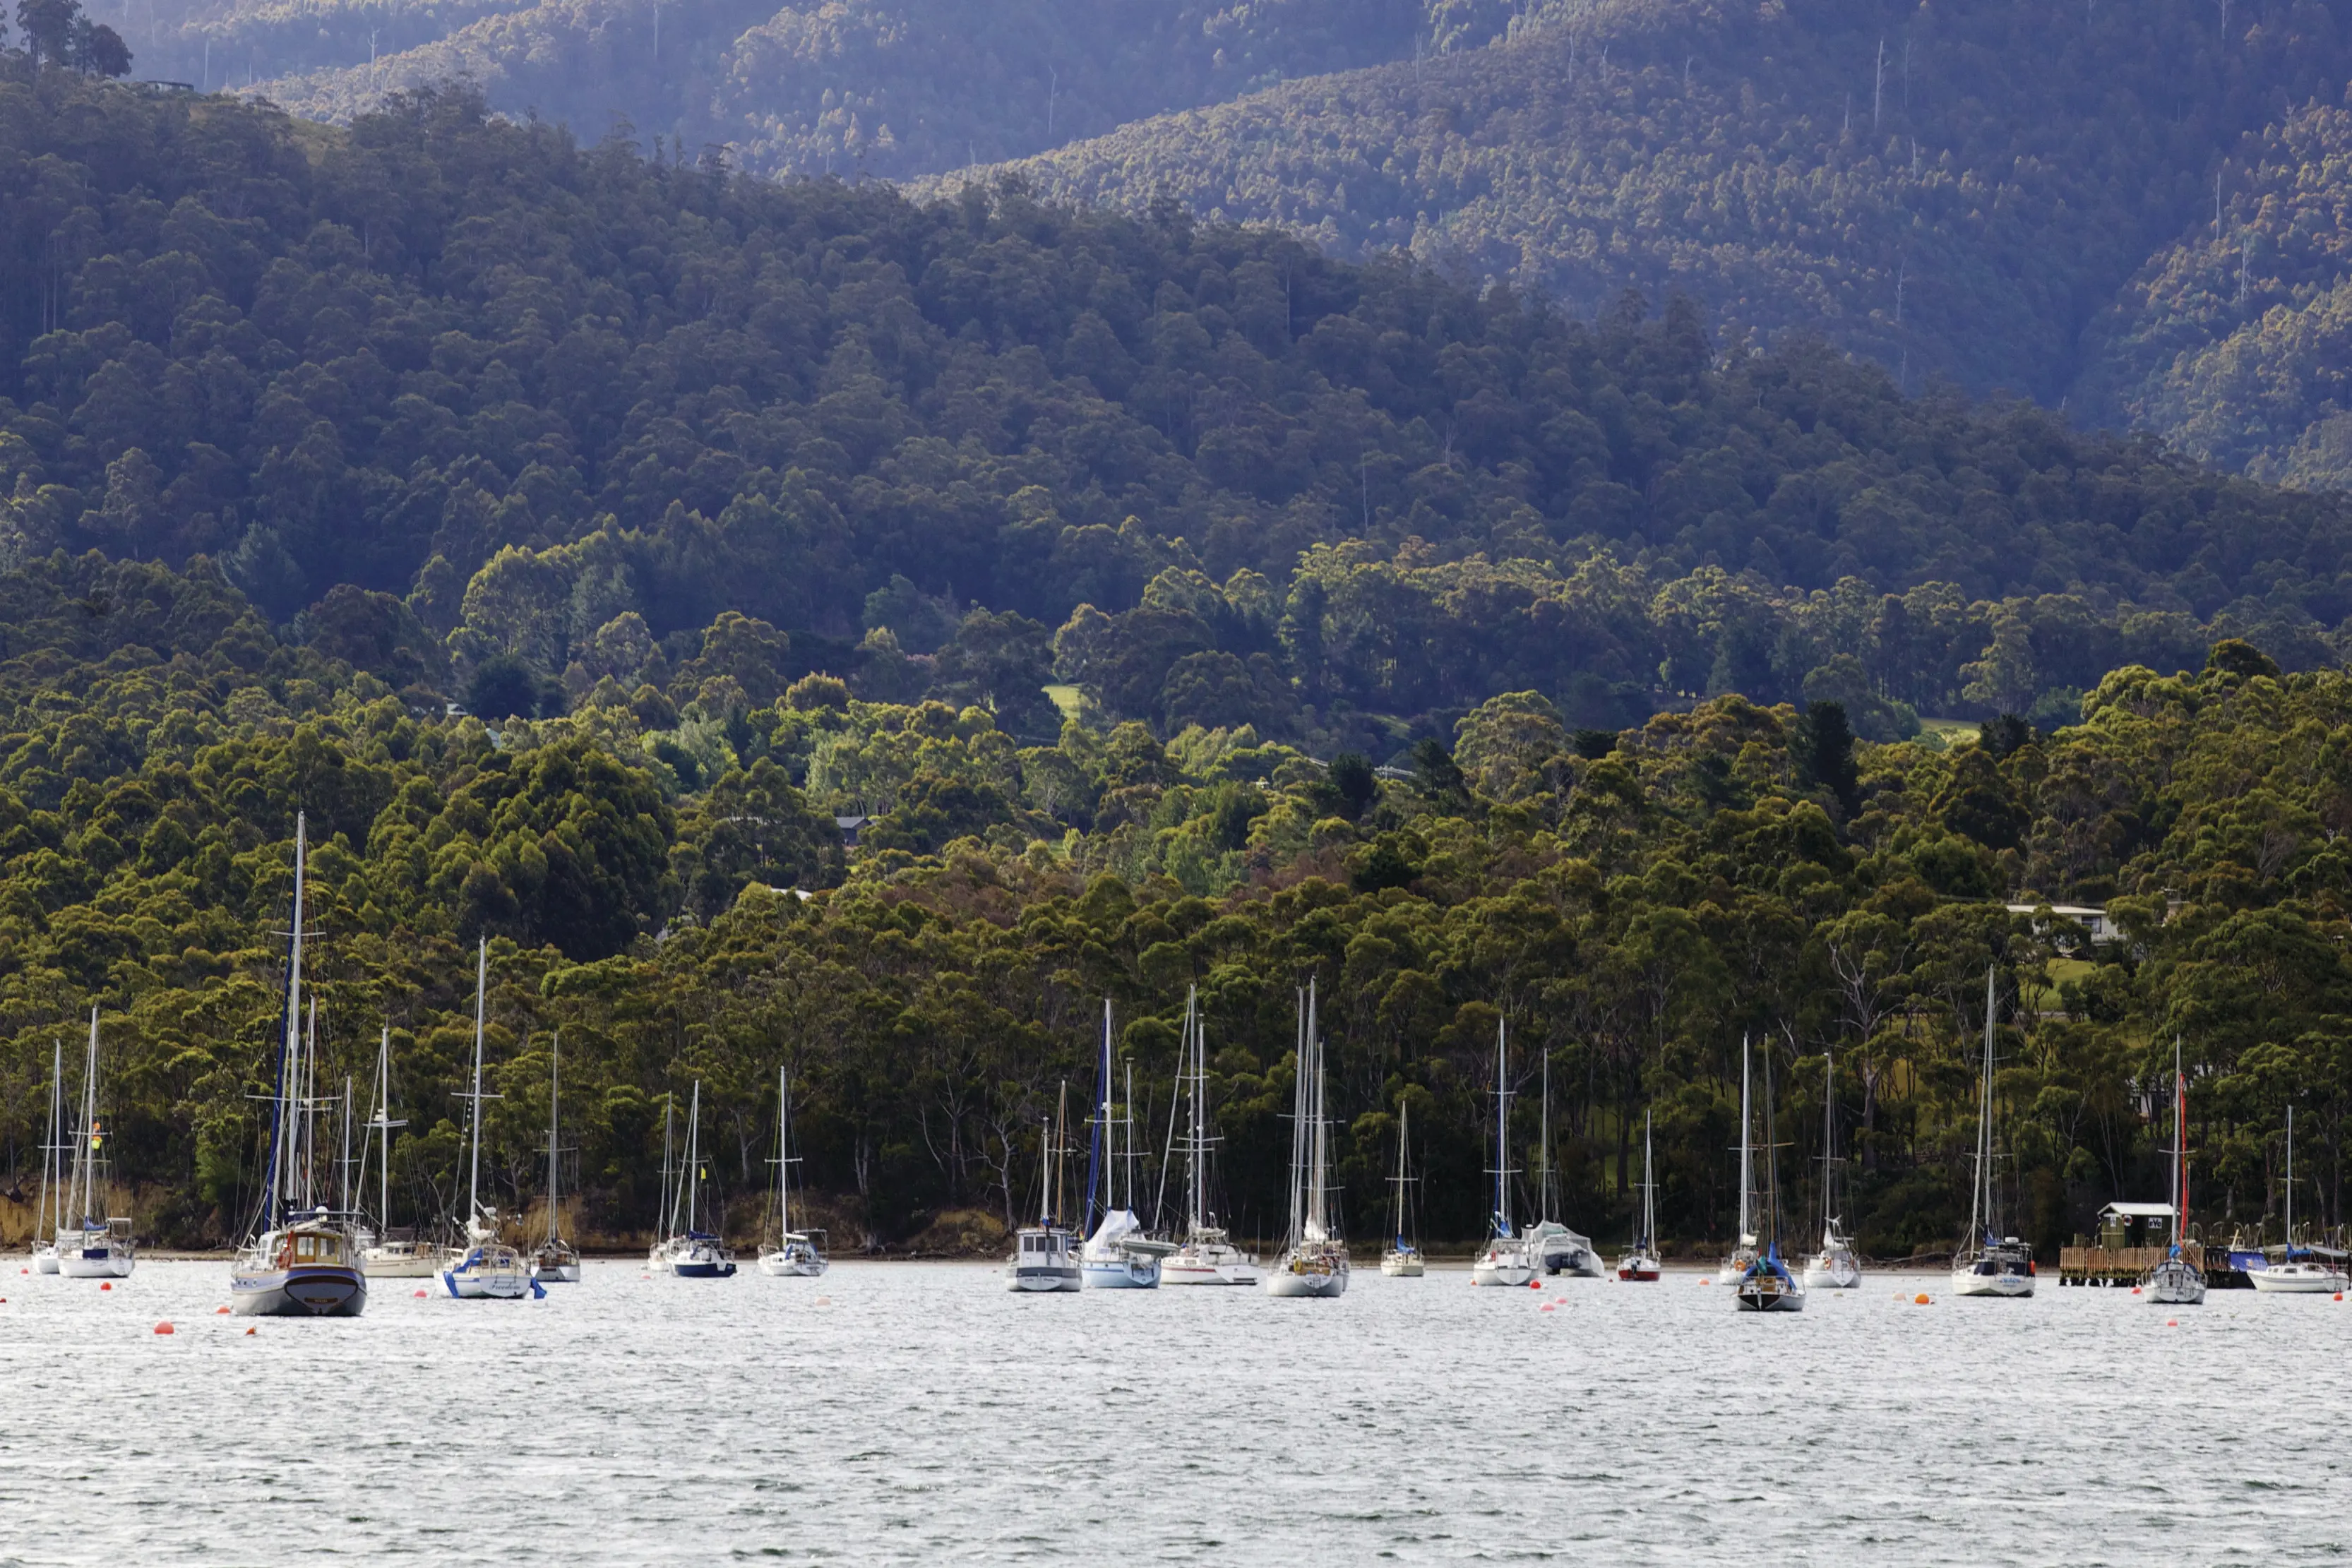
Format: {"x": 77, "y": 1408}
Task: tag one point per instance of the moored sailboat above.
{"x": 1559, "y": 1250}
{"x": 387, "y": 1253}
{"x": 1743, "y": 1251}
{"x": 1118, "y": 1254}
{"x": 797, "y": 1254}
{"x": 90, "y": 1246}
{"x": 1402, "y": 1261}
{"x": 2174, "y": 1282}
{"x": 486, "y": 1268}
{"x": 45, "y": 1218}
{"x": 1768, "y": 1285}
{"x": 1834, "y": 1266}
{"x": 556, "y": 1258}
{"x": 1314, "y": 1262}
{"x": 2298, "y": 1272}
{"x": 1044, "y": 1259}
{"x": 300, "y": 1259}
{"x": 1206, "y": 1255}
{"x": 1508, "y": 1257}
{"x": 1989, "y": 1264}
{"x": 1641, "y": 1259}
{"x": 686, "y": 1251}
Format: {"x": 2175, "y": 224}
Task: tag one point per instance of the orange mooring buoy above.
{"x": 165, "y": 1328}
{"x": 248, "y": 1334}
{"x": 220, "y": 1311}
{"x": 108, "y": 1286}
{"x": 1923, "y": 1299}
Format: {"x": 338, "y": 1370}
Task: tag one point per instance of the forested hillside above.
{"x": 1954, "y": 190}
{"x": 1633, "y": 903}
{"x": 541, "y": 413}
{"x": 2233, "y": 342}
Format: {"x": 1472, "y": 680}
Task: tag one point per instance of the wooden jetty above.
{"x": 2087, "y": 1265}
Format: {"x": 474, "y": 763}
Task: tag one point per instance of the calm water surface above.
{"x": 902, "y": 1413}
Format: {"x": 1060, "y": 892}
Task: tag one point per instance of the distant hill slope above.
{"x": 2235, "y": 342}
{"x": 1953, "y": 190}
{"x": 877, "y": 87}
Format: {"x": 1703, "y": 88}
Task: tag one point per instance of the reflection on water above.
{"x": 922, "y": 1414}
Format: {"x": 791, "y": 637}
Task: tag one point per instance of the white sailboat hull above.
{"x": 1563, "y": 1252}
{"x": 488, "y": 1273}
{"x": 785, "y": 1266}
{"x": 1402, "y": 1265}
{"x": 100, "y": 1259}
{"x": 1309, "y": 1282}
{"x": 2174, "y": 1283}
{"x": 1637, "y": 1266}
{"x": 1508, "y": 1263}
{"x": 2007, "y": 1283}
{"x": 2298, "y": 1280}
{"x": 1835, "y": 1270}
{"x": 45, "y": 1259}
{"x": 1120, "y": 1274}
{"x": 557, "y": 1274}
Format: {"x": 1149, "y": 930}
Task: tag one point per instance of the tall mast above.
{"x": 481, "y": 983}
{"x": 784, "y": 1153}
{"x": 52, "y": 1195}
{"x": 1060, "y": 1142}
{"x": 1502, "y": 1139}
{"x": 289, "y": 1043}
{"x": 693, "y": 1153}
{"x": 1980, "y": 1200}
{"x": 2180, "y": 1149}
{"x": 1197, "y": 1139}
{"x": 1298, "y": 1137}
{"x": 1544, "y": 1177}
{"x": 344, "y": 1187}
{"x": 668, "y": 1215}
{"x": 1829, "y": 1135}
{"x": 309, "y": 1138}
{"x": 1318, "y": 1196}
{"x": 1097, "y": 1177}
{"x": 2290, "y": 1179}
{"x": 1404, "y": 1111}
{"x": 1747, "y": 1159}
{"x": 382, "y": 1127}
{"x": 554, "y": 1067}
{"x": 1649, "y": 1191}
{"x": 1127, "y": 1122}
{"x": 84, "y": 1193}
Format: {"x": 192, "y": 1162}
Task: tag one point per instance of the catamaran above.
{"x": 300, "y": 1259}
{"x": 1559, "y": 1248}
{"x": 1314, "y": 1261}
{"x": 2174, "y": 1282}
{"x": 1641, "y": 1259}
{"x": 1768, "y": 1285}
{"x": 1989, "y": 1264}
{"x": 1834, "y": 1266}
{"x": 687, "y": 1252}
{"x": 1402, "y": 1261}
{"x": 1510, "y": 1258}
{"x": 1207, "y": 1256}
{"x": 1119, "y": 1253}
{"x": 2297, "y": 1270}
{"x": 797, "y": 1254}
{"x": 556, "y": 1258}
{"x": 53, "y": 1194}
{"x": 88, "y": 1246}
{"x": 387, "y": 1253}
{"x": 1046, "y": 1255}
{"x": 485, "y": 1267}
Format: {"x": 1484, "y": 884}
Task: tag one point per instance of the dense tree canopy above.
{"x": 1633, "y": 902}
